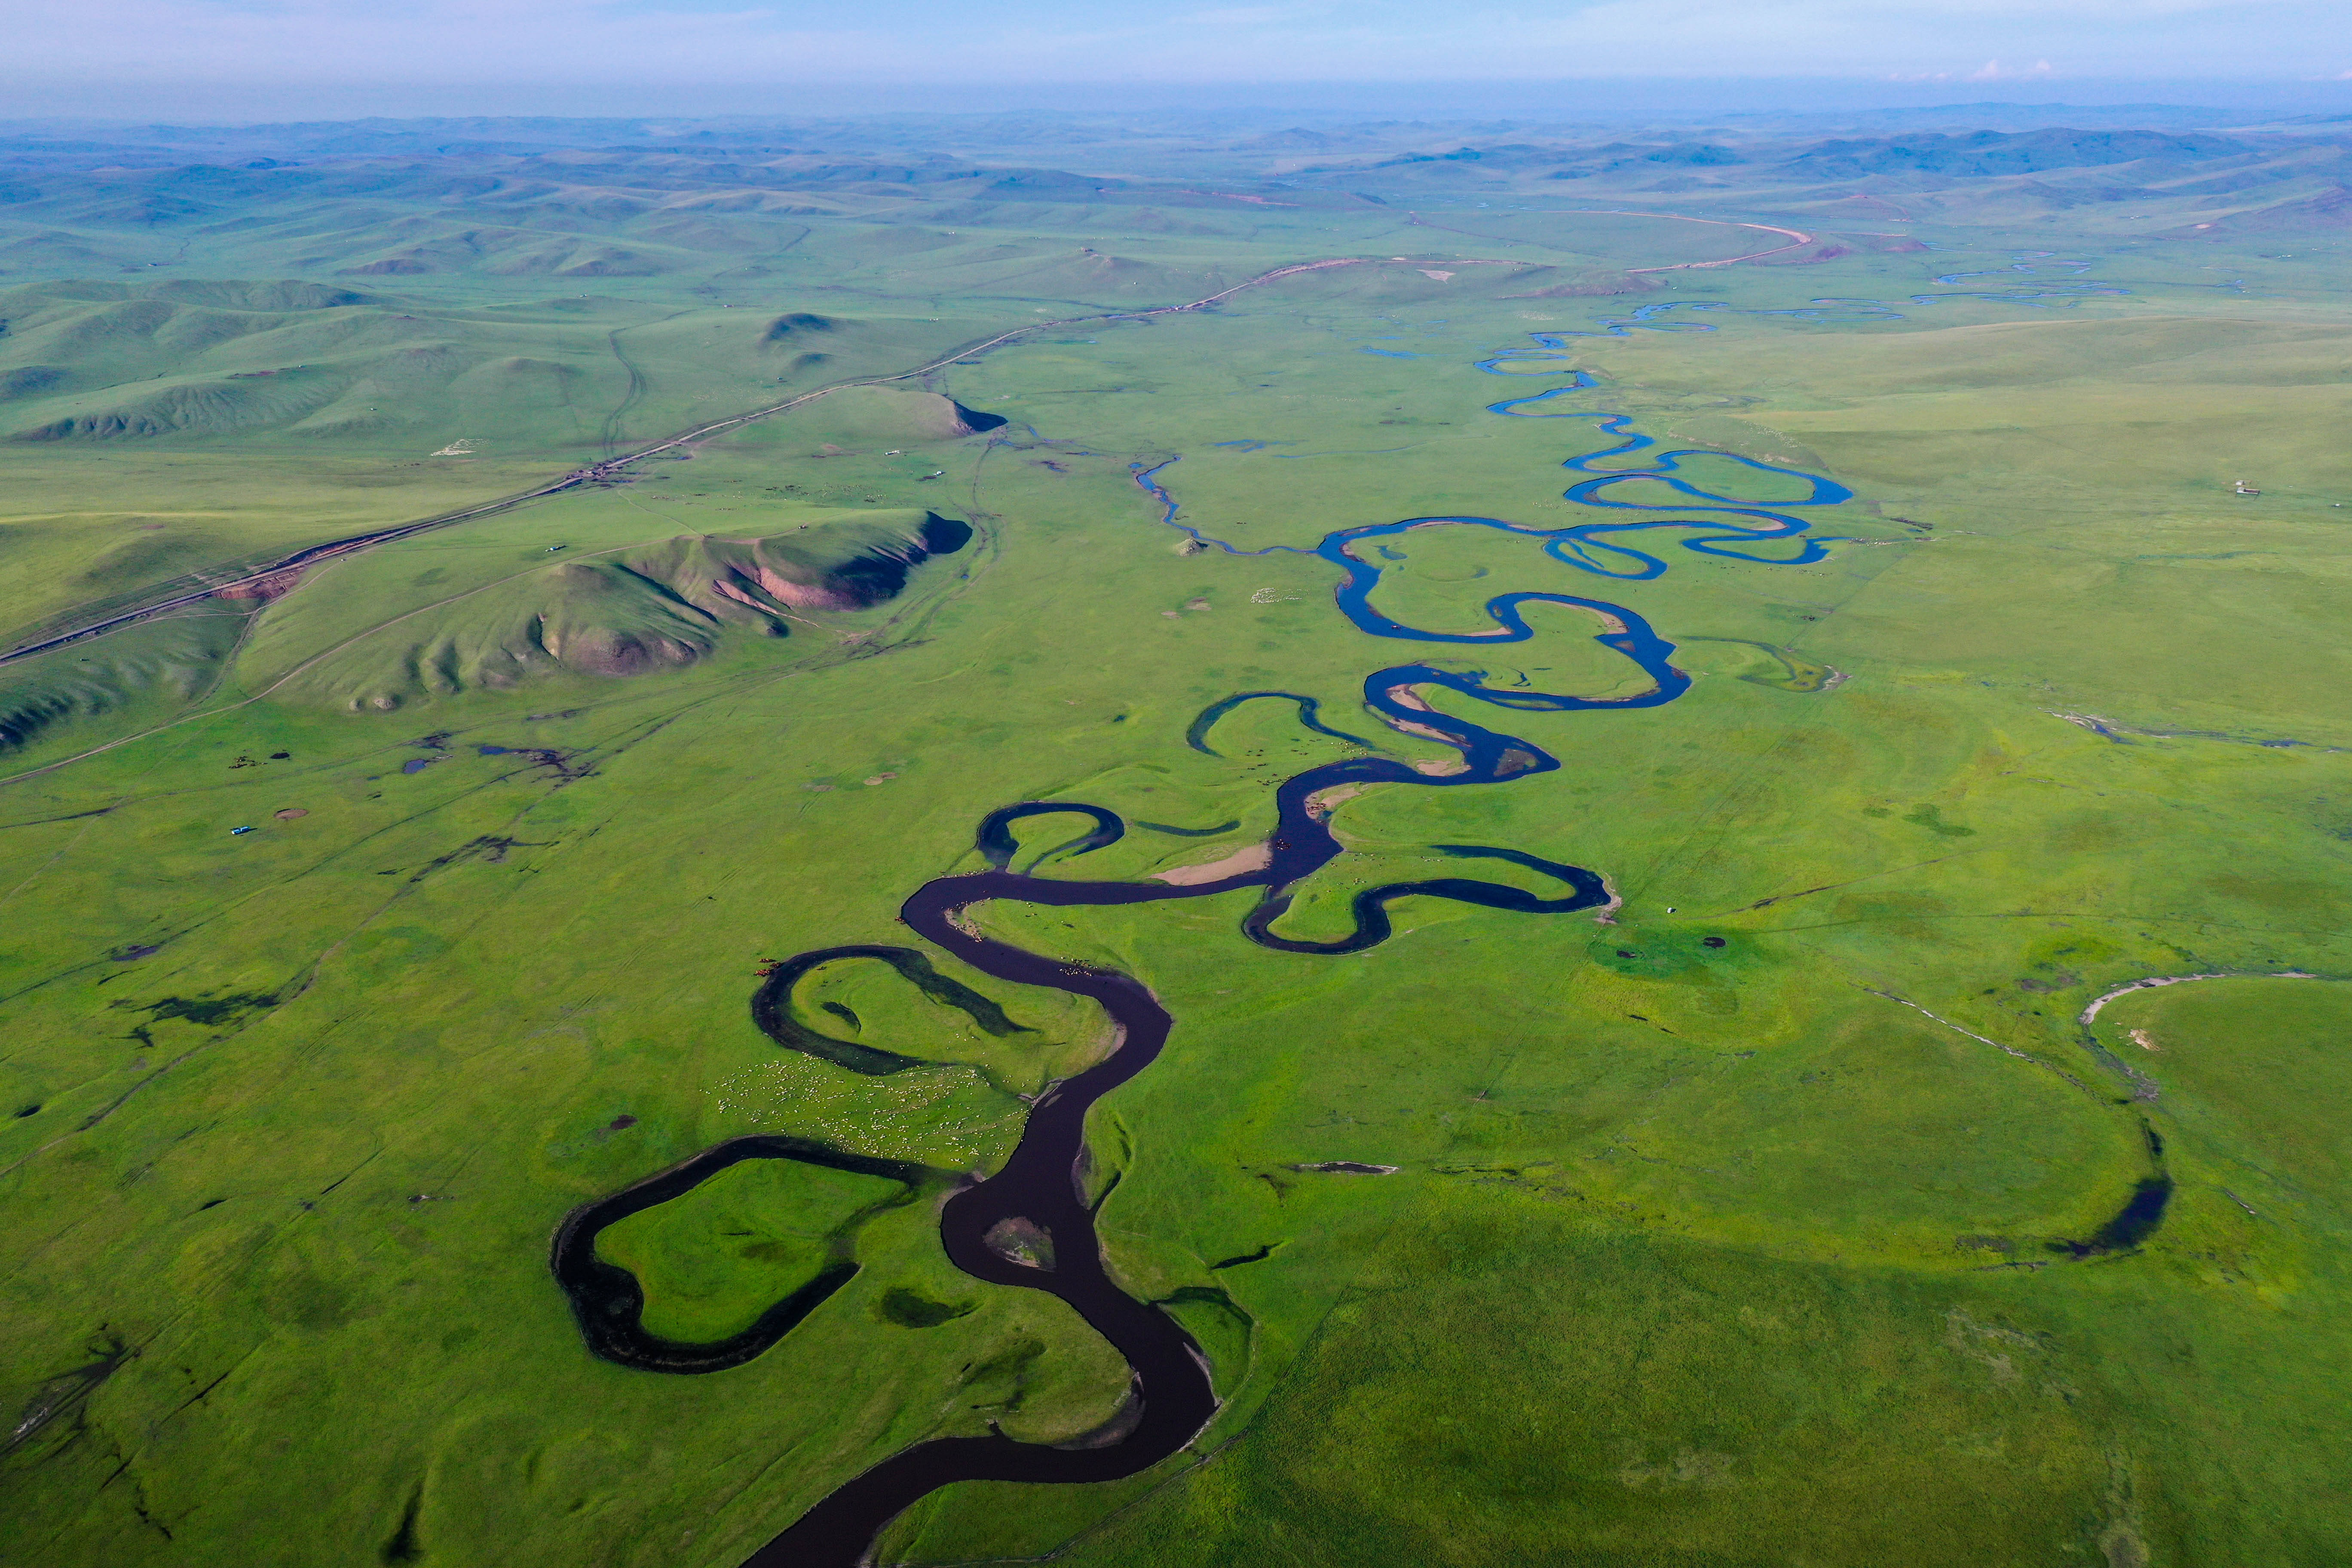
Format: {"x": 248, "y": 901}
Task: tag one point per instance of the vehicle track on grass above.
{"x": 609, "y": 439}
{"x": 1797, "y": 239}
{"x": 853, "y": 645}
{"x": 2089, "y": 1013}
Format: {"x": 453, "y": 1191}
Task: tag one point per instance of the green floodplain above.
{"x": 1782, "y": 1216}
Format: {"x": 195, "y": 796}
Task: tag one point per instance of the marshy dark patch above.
{"x": 913, "y": 1310}
{"x": 126, "y": 954}
{"x": 620, "y": 1122}
{"x": 540, "y": 756}
{"x": 1260, "y": 1256}
{"x": 63, "y": 1396}
{"x": 2136, "y": 1222}
{"x": 1932, "y": 819}
{"x": 1666, "y": 953}
{"x": 404, "y": 1546}
{"x": 205, "y": 1012}
{"x": 773, "y": 1251}
{"x": 25, "y": 1110}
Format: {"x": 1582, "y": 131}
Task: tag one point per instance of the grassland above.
{"x": 1735, "y": 1232}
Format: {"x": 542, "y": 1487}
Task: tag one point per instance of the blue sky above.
{"x": 113, "y": 57}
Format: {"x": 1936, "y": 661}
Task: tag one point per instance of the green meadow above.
{"x": 1759, "y": 1222}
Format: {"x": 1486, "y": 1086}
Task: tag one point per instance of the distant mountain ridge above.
{"x": 571, "y": 201}
{"x": 1989, "y": 152}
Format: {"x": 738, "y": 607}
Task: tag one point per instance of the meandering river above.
{"x": 1038, "y": 1191}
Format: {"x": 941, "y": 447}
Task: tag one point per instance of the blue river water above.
{"x": 1580, "y": 545}
{"x": 1040, "y": 1186}
{"x": 1174, "y": 1398}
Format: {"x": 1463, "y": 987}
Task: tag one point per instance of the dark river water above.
{"x": 1040, "y": 1188}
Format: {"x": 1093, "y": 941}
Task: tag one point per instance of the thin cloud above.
{"x": 123, "y": 43}
{"x": 1992, "y": 70}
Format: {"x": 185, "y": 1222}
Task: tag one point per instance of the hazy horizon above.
{"x": 1564, "y": 100}
{"x": 262, "y": 59}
